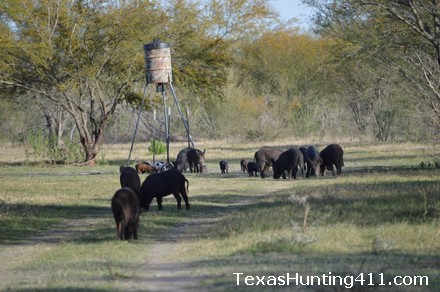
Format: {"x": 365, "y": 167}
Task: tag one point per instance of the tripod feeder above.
{"x": 159, "y": 71}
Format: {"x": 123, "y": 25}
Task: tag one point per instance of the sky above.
{"x": 293, "y": 8}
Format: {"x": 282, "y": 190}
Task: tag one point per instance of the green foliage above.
{"x": 157, "y": 147}
{"x": 242, "y": 76}
{"x": 203, "y": 37}
{"x": 41, "y": 147}
{"x": 284, "y": 63}
{"x": 89, "y": 55}
{"x": 285, "y": 69}
{"x": 390, "y": 36}
{"x": 12, "y": 120}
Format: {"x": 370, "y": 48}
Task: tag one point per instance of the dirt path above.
{"x": 161, "y": 271}
{"x": 164, "y": 272}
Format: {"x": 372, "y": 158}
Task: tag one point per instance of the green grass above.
{"x": 382, "y": 216}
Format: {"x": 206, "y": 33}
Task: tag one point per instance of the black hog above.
{"x": 126, "y": 211}
{"x": 290, "y": 160}
{"x": 263, "y": 157}
{"x": 129, "y": 178}
{"x": 313, "y": 160}
{"x": 303, "y": 150}
{"x": 224, "y": 167}
{"x": 181, "y": 164}
{"x": 159, "y": 185}
{"x": 332, "y": 155}
{"x": 196, "y": 160}
{"x": 253, "y": 168}
{"x": 243, "y": 165}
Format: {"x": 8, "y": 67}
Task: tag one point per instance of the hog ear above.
{"x": 204, "y": 150}
{"x": 272, "y": 160}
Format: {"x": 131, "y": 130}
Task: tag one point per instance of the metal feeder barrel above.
{"x": 158, "y": 62}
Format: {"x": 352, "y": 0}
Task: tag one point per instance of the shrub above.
{"x": 42, "y": 147}
{"x": 157, "y": 147}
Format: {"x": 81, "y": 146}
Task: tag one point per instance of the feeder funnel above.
{"x": 158, "y": 62}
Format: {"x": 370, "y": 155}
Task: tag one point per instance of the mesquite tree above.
{"x": 81, "y": 55}
{"x": 86, "y": 56}
{"x": 404, "y": 34}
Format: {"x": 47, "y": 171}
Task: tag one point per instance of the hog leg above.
{"x": 332, "y": 169}
{"x": 122, "y": 231}
{"x": 159, "y": 203}
{"x": 118, "y": 229}
{"x": 178, "y": 199}
{"x": 185, "y": 197}
{"x": 135, "y": 233}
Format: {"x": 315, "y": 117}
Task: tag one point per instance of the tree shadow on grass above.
{"x": 402, "y": 170}
{"x": 362, "y": 205}
{"x": 28, "y": 223}
{"x": 374, "y": 203}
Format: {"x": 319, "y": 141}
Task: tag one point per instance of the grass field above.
{"x": 376, "y": 225}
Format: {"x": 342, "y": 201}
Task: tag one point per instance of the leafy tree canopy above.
{"x": 86, "y": 56}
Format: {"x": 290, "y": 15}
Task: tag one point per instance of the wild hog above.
{"x": 313, "y": 160}
{"x": 196, "y": 160}
{"x": 161, "y": 166}
{"x": 144, "y": 167}
{"x": 126, "y": 211}
{"x": 181, "y": 164}
{"x": 290, "y": 160}
{"x": 253, "y": 168}
{"x": 129, "y": 178}
{"x": 263, "y": 157}
{"x": 332, "y": 155}
{"x": 243, "y": 165}
{"x": 224, "y": 167}
{"x": 159, "y": 185}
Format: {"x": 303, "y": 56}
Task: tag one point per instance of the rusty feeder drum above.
{"x": 158, "y": 62}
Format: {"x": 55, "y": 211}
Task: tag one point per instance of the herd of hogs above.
{"x": 134, "y": 198}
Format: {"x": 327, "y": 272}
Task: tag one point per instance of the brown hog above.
{"x": 243, "y": 165}
{"x": 144, "y": 167}
{"x": 263, "y": 158}
{"x": 126, "y": 211}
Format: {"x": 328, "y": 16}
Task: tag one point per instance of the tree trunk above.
{"x": 91, "y": 145}
{"x": 91, "y": 153}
